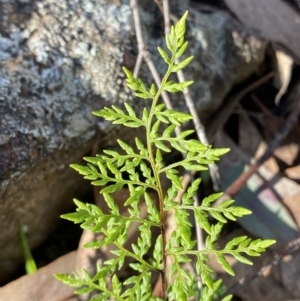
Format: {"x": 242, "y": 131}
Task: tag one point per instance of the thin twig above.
{"x": 275, "y": 119}
{"x": 236, "y": 186}
{"x": 290, "y": 247}
{"x": 253, "y": 86}
{"x": 138, "y": 64}
{"x": 145, "y": 53}
{"x": 166, "y": 13}
{"x": 217, "y": 123}
{"x": 194, "y": 113}
{"x": 161, "y": 8}
{"x": 200, "y": 130}
{"x": 207, "y": 8}
{"x": 199, "y": 127}
{"x": 262, "y": 107}
{"x": 188, "y": 177}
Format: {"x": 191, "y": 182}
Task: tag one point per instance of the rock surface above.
{"x": 42, "y": 286}
{"x": 59, "y": 61}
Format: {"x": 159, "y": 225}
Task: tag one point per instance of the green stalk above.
{"x": 157, "y": 177}
{"x": 30, "y": 266}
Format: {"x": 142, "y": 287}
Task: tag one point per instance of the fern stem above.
{"x": 156, "y": 173}
{"x": 159, "y": 186}
{"x": 160, "y": 198}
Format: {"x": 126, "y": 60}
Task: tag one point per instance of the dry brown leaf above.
{"x": 293, "y": 172}
{"x": 284, "y": 73}
{"x": 275, "y": 19}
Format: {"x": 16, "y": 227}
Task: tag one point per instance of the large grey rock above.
{"x": 62, "y": 59}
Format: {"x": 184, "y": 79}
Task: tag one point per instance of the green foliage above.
{"x": 108, "y": 170}
{"x": 30, "y": 265}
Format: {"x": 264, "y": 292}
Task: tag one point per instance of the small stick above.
{"x": 200, "y": 130}
{"x": 214, "y": 129}
{"x": 199, "y": 127}
{"x": 161, "y": 8}
{"x": 138, "y": 64}
{"x": 146, "y": 55}
{"x": 188, "y": 177}
{"x": 166, "y": 14}
{"x": 236, "y": 186}
{"x": 281, "y": 134}
{"x": 261, "y": 106}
